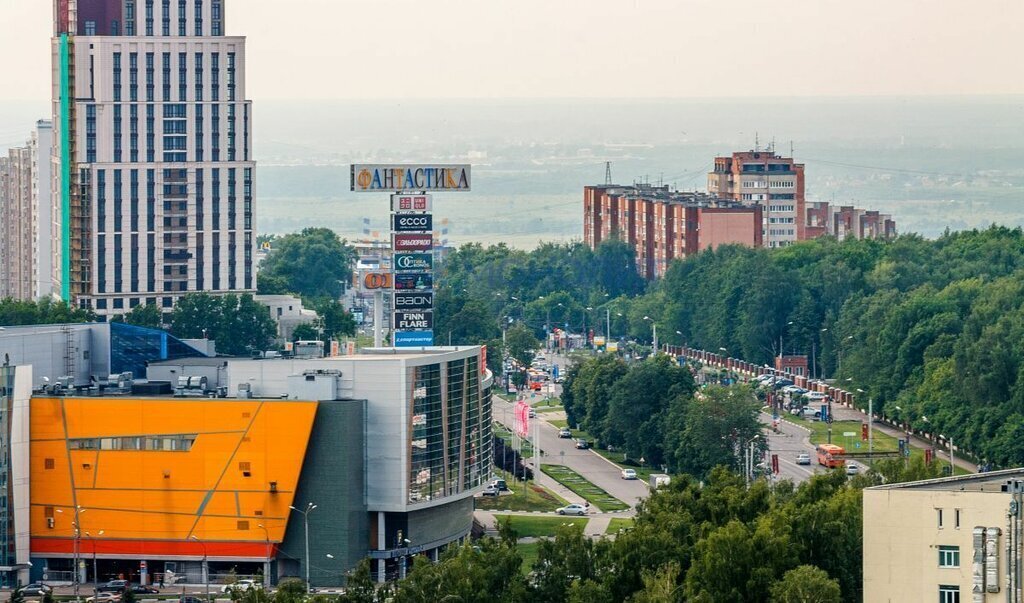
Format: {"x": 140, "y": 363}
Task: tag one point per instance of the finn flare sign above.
{"x": 373, "y": 178}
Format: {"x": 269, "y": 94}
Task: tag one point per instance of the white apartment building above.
{"x": 41, "y": 151}
{"x": 16, "y": 222}
{"x": 153, "y": 168}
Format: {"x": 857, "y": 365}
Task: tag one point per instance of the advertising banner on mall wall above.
{"x": 425, "y": 178}
{"x": 413, "y": 281}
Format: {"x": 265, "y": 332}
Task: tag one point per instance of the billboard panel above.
{"x": 414, "y": 281}
{"x": 414, "y": 261}
{"x": 404, "y": 203}
{"x": 413, "y": 242}
{"x": 413, "y": 339}
{"x": 419, "y": 300}
{"x": 414, "y": 321}
{"x": 377, "y": 280}
{"x": 369, "y": 178}
{"x": 412, "y": 223}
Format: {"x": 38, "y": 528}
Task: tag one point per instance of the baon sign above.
{"x": 371, "y": 178}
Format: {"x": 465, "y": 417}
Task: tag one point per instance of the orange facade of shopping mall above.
{"x": 165, "y": 477}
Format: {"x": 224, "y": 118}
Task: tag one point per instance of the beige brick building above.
{"x": 949, "y": 540}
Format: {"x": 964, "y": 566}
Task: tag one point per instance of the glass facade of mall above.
{"x": 450, "y": 436}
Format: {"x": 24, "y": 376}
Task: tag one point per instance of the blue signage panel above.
{"x": 413, "y": 339}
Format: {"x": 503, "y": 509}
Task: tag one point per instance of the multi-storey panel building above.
{"x": 662, "y": 225}
{"x": 847, "y": 221}
{"x": 17, "y": 276}
{"x": 764, "y": 178}
{"x": 154, "y": 171}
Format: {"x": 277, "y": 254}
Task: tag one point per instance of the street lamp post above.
{"x": 206, "y": 565}
{"x": 748, "y": 451}
{"x": 780, "y": 341}
{"x": 654, "y": 342}
{"x": 77, "y": 538}
{"x": 305, "y": 520}
{"x": 266, "y": 565}
{"x": 95, "y": 573}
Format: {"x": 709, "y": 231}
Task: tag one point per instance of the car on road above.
{"x": 559, "y": 379}
{"x": 582, "y": 444}
{"x": 490, "y": 491}
{"x": 564, "y": 433}
{"x": 241, "y": 586}
{"x": 36, "y": 589}
{"x": 105, "y": 597}
{"x": 852, "y": 469}
{"x": 499, "y": 483}
{"x": 533, "y": 413}
{"x": 573, "y": 509}
{"x": 803, "y": 459}
{"x": 139, "y": 589}
{"x": 114, "y": 586}
{"x": 629, "y": 474}
{"x": 794, "y": 390}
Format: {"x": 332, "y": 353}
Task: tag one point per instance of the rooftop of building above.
{"x": 664, "y": 193}
{"x": 990, "y": 481}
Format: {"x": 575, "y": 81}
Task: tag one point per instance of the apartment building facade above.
{"x": 847, "y": 221}
{"x": 17, "y": 277}
{"x": 153, "y": 169}
{"x": 767, "y": 179}
{"x": 662, "y": 225}
{"x": 950, "y": 540}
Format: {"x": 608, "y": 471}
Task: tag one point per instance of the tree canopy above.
{"x": 238, "y": 323}
{"x": 314, "y": 263}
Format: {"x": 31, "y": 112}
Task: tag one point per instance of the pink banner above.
{"x": 522, "y": 419}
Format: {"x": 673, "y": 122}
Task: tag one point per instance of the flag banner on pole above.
{"x": 522, "y": 419}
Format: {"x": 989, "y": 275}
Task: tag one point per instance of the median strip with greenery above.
{"x": 539, "y": 527}
{"x": 588, "y": 491}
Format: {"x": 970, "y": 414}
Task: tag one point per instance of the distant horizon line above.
{"x": 993, "y": 95}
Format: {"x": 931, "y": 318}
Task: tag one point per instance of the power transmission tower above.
{"x": 608, "y": 172}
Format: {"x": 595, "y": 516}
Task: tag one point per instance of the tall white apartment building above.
{"x": 41, "y": 151}
{"x": 153, "y": 169}
{"x": 16, "y": 221}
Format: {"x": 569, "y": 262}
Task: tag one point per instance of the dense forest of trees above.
{"x": 932, "y": 330}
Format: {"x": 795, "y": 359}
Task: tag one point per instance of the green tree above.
{"x": 336, "y": 321}
{"x": 661, "y": 586}
{"x": 239, "y": 324}
{"x": 706, "y": 431}
{"x": 305, "y": 332}
{"x": 806, "y": 584}
{"x": 521, "y": 345}
{"x": 45, "y": 311}
{"x": 313, "y": 263}
{"x": 143, "y": 315}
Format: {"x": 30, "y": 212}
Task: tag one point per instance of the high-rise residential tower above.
{"x": 153, "y": 169}
{"x": 16, "y": 240}
{"x": 764, "y": 178}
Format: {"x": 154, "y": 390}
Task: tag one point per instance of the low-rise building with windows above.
{"x": 951, "y": 540}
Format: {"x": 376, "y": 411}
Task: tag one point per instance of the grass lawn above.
{"x": 539, "y": 527}
{"x": 619, "y": 523}
{"x": 506, "y": 434}
{"x": 543, "y": 409}
{"x": 882, "y": 442}
{"x": 588, "y": 491}
{"x": 529, "y": 498}
{"x": 559, "y": 423}
{"x": 529, "y": 552}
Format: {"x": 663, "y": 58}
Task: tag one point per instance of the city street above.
{"x": 589, "y": 464}
{"x": 790, "y": 441}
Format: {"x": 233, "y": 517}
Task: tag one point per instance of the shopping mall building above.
{"x": 224, "y": 460}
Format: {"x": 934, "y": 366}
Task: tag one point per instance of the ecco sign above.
{"x": 413, "y": 301}
{"x": 413, "y": 222}
{"x": 414, "y": 261}
{"x": 415, "y": 281}
{"x": 414, "y": 321}
{"x": 413, "y": 242}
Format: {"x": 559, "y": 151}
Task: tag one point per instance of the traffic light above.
{"x": 864, "y": 431}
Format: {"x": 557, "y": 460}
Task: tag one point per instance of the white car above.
{"x": 573, "y": 509}
{"x": 852, "y": 469}
{"x": 816, "y": 396}
{"x": 241, "y": 585}
{"x": 629, "y": 474}
{"x": 803, "y": 459}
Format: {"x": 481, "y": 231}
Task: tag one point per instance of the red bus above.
{"x": 826, "y": 454}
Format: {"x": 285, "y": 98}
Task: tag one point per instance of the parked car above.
{"x": 573, "y": 509}
{"x": 114, "y": 586}
{"x": 629, "y": 474}
{"x": 533, "y": 413}
{"x": 564, "y": 433}
{"x": 139, "y": 589}
{"x": 105, "y": 597}
{"x": 816, "y": 396}
{"x": 794, "y": 390}
{"x": 499, "y": 484}
{"x": 241, "y": 585}
{"x": 803, "y": 459}
{"x": 490, "y": 491}
{"x": 782, "y": 382}
{"x": 36, "y": 589}
{"x": 582, "y": 444}
{"x": 191, "y": 599}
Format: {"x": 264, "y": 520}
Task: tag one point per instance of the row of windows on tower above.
{"x": 147, "y": 10}
{"x": 175, "y": 199}
{"x": 167, "y": 63}
{"x": 174, "y": 128}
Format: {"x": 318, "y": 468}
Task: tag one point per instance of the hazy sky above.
{"x": 591, "y": 48}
